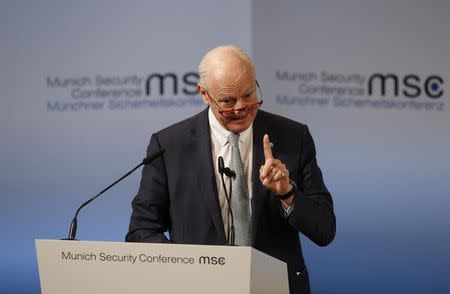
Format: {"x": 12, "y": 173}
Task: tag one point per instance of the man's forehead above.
{"x": 224, "y": 90}
{"x": 235, "y": 79}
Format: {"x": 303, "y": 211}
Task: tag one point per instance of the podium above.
{"x": 118, "y": 267}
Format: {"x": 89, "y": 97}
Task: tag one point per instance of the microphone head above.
{"x": 221, "y": 165}
{"x": 229, "y": 173}
{"x": 153, "y": 156}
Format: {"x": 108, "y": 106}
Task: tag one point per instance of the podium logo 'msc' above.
{"x": 212, "y": 260}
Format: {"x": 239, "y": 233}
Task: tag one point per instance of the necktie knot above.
{"x": 233, "y": 139}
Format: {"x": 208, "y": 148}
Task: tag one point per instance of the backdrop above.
{"x": 84, "y": 84}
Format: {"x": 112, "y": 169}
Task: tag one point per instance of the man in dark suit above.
{"x": 182, "y": 192}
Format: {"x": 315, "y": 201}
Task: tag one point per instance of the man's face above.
{"x": 231, "y": 89}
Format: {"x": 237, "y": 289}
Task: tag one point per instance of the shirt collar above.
{"x": 221, "y": 133}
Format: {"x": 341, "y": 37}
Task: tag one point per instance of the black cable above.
{"x": 230, "y": 233}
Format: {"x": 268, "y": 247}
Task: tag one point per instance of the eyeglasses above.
{"x": 232, "y": 112}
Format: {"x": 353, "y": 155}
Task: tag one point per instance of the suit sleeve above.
{"x": 151, "y": 215}
{"x": 313, "y": 212}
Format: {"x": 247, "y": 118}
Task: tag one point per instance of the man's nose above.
{"x": 240, "y": 111}
{"x": 239, "y": 107}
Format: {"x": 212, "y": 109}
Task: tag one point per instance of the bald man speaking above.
{"x": 277, "y": 189}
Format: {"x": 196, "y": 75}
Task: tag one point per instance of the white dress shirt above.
{"x": 220, "y": 147}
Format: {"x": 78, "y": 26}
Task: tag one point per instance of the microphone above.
{"x": 225, "y": 170}
{"x": 149, "y": 159}
{"x": 230, "y": 174}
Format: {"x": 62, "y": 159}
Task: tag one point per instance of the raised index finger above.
{"x": 267, "y": 149}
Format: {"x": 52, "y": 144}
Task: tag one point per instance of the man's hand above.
{"x": 274, "y": 174}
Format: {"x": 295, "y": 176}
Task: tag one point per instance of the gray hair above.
{"x": 204, "y": 65}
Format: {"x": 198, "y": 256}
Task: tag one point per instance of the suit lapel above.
{"x": 206, "y": 176}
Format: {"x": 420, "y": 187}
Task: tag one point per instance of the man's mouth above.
{"x": 238, "y": 118}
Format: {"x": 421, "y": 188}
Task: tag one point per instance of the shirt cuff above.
{"x": 288, "y": 210}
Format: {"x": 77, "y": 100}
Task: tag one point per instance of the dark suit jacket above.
{"x": 178, "y": 193}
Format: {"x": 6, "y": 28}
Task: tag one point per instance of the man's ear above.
{"x": 203, "y": 93}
